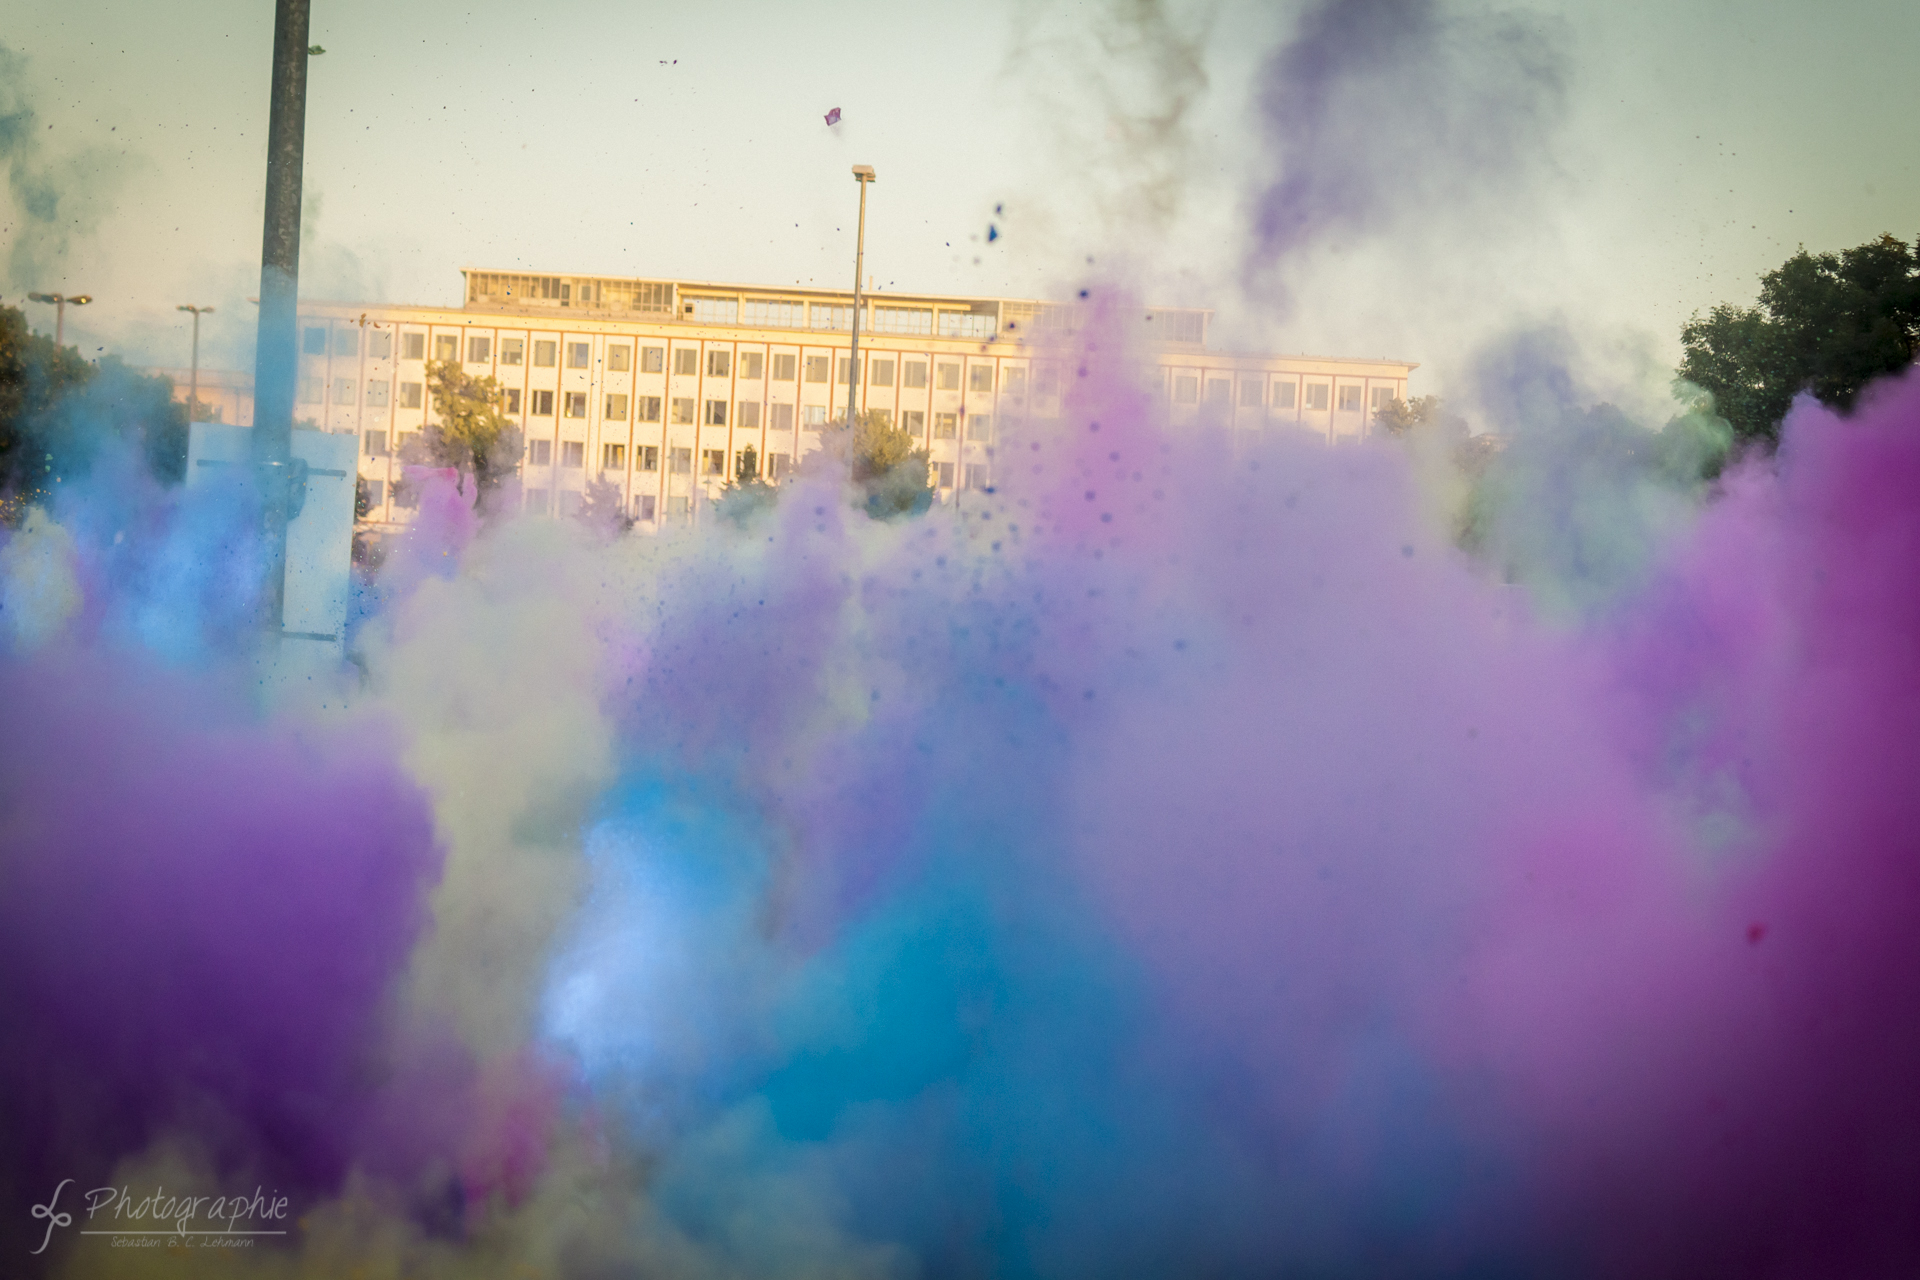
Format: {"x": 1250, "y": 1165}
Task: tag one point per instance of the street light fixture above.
{"x": 193, "y": 378}
{"x": 60, "y": 303}
{"x": 863, "y": 174}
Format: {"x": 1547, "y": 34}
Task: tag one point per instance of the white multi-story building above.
{"x": 657, "y": 387}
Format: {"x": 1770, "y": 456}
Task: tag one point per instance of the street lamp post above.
{"x": 193, "y": 377}
{"x": 863, "y": 174}
{"x": 60, "y": 303}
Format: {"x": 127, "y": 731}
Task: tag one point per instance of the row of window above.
{"x": 1186, "y": 390}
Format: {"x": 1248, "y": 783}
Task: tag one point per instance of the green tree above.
{"x": 471, "y": 434}
{"x": 748, "y": 494}
{"x": 1826, "y": 323}
{"x": 887, "y": 467}
{"x": 601, "y": 508}
{"x": 58, "y": 412}
{"x": 1403, "y": 417}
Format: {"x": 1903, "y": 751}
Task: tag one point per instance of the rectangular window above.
{"x": 713, "y": 462}
{"x": 647, "y": 409}
{"x": 479, "y": 350}
{"x": 914, "y": 422}
{"x": 613, "y": 457}
{"x": 714, "y": 310}
{"x": 1219, "y": 391}
{"x": 914, "y": 375}
{"x": 540, "y": 453}
{"x": 827, "y": 316}
{"x": 1317, "y": 396}
{"x": 979, "y": 426}
{"x": 410, "y": 395}
{"x": 816, "y": 368}
{"x": 980, "y": 377}
{"x": 619, "y": 357}
{"x": 646, "y": 457}
{"x": 879, "y": 372}
{"x": 943, "y": 472}
{"x": 543, "y": 353}
{"x": 718, "y": 363}
{"x": 944, "y": 425}
{"x": 716, "y": 413}
{"x": 1253, "y": 390}
{"x": 976, "y": 475}
{"x": 380, "y": 344}
{"x": 653, "y": 359}
{"x": 540, "y": 404}
{"x": 575, "y": 404}
{"x": 842, "y": 379}
{"x": 379, "y": 392}
{"x": 1349, "y": 399}
{"x": 313, "y": 341}
{"x": 679, "y": 461}
{"x": 615, "y": 409}
{"x": 376, "y": 493}
{"x": 413, "y": 346}
{"x": 512, "y": 403}
{"x": 1382, "y": 397}
{"x": 816, "y": 416}
{"x": 912, "y": 320}
{"x": 776, "y": 465}
{"x": 346, "y": 341}
{"x": 1014, "y": 382}
{"x": 446, "y": 346}
{"x": 643, "y": 508}
{"x": 573, "y": 453}
{"x": 783, "y": 366}
{"x": 686, "y": 362}
{"x": 946, "y": 376}
{"x": 537, "y": 501}
{"x": 1186, "y": 390}
{"x": 751, "y": 363}
{"x": 748, "y": 418}
{"x": 772, "y": 314}
{"x": 374, "y": 443}
{"x": 312, "y": 390}
{"x": 1046, "y": 380}
{"x": 513, "y": 351}
{"x": 401, "y": 439}
{"x": 683, "y": 411}
{"x": 781, "y": 418}
{"x": 966, "y": 324}
{"x": 1283, "y": 394}
{"x": 343, "y": 390}
{"x": 579, "y": 354}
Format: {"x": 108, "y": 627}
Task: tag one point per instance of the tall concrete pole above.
{"x": 863, "y": 174}
{"x": 276, "y": 358}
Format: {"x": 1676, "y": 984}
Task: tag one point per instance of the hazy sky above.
{"x": 1680, "y": 150}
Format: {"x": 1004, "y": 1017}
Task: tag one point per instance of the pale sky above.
{"x": 1699, "y": 144}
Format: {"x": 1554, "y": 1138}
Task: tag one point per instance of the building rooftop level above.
{"x": 807, "y": 309}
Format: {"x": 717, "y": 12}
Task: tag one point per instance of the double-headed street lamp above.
{"x": 863, "y": 174}
{"x": 193, "y": 378}
{"x": 60, "y": 303}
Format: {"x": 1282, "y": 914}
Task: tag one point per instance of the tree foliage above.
{"x": 1403, "y": 417}
{"x": 1826, "y": 323}
{"x": 58, "y": 413}
{"x": 888, "y": 467}
{"x": 470, "y": 433}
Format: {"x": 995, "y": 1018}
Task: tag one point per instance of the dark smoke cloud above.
{"x": 1394, "y": 117}
{"x": 55, "y": 196}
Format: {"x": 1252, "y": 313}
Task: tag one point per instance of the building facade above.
{"x": 657, "y": 388}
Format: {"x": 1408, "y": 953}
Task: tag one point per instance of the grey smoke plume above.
{"x": 1389, "y": 117}
{"x": 55, "y": 196}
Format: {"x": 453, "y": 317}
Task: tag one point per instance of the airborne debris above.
{"x": 833, "y": 117}
{"x": 314, "y": 50}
